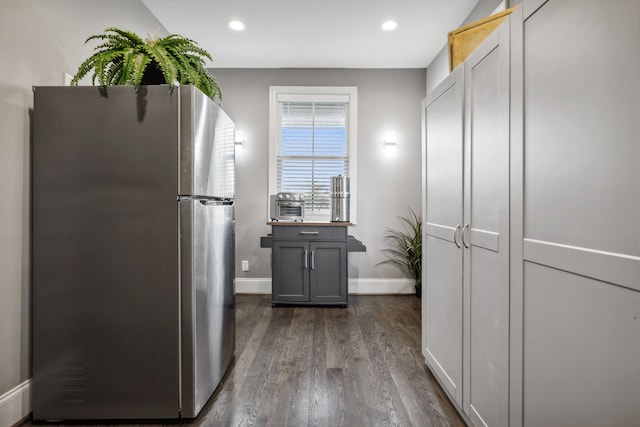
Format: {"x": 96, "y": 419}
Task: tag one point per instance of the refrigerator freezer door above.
{"x": 207, "y": 147}
{"x": 208, "y": 299}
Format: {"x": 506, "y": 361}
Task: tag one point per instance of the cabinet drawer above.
{"x": 309, "y": 233}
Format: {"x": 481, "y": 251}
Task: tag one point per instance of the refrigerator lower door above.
{"x": 207, "y": 245}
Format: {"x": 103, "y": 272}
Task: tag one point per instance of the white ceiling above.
{"x": 315, "y": 33}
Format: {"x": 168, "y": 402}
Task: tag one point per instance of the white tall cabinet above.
{"x": 466, "y": 217}
{"x": 531, "y": 279}
{"x": 577, "y": 315}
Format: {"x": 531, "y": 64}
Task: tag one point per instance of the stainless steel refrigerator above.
{"x": 132, "y": 252}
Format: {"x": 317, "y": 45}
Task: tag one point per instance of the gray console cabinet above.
{"x": 309, "y": 265}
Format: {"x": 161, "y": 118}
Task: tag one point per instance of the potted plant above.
{"x": 124, "y": 58}
{"x": 406, "y": 248}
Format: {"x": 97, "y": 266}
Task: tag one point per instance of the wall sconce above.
{"x": 390, "y": 144}
{"x": 238, "y": 139}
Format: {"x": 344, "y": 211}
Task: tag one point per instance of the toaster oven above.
{"x": 287, "y": 206}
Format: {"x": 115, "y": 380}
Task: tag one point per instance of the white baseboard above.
{"x": 381, "y": 286}
{"x": 15, "y": 404}
{"x": 253, "y": 286}
{"x": 356, "y": 286}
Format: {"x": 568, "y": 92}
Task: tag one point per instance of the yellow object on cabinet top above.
{"x": 465, "y": 39}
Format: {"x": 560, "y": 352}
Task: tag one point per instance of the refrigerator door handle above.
{"x": 214, "y": 202}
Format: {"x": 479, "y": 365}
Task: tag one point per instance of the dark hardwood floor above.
{"x": 324, "y": 366}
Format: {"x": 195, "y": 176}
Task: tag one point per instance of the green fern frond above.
{"x": 115, "y": 70}
{"x": 127, "y": 35}
{"x": 83, "y": 70}
{"x": 188, "y": 73}
{"x": 188, "y": 46}
{"x": 141, "y": 61}
{"x": 128, "y": 58}
{"x": 110, "y": 41}
{"x": 167, "y": 63}
{"x": 185, "y": 45}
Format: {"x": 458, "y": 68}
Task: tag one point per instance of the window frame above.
{"x": 314, "y": 94}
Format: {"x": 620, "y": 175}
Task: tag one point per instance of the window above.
{"x": 312, "y": 138}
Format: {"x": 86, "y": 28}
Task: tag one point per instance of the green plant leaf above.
{"x": 405, "y": 249}
{"x": 140, "y": 63}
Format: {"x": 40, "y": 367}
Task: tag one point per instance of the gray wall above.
{"x": 387, "y": 187}
{"x": 40, "y": 41}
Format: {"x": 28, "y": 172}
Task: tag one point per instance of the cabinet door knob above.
{"x": 306, "y": 260}
{"x": 313, "y": 260}
{"x": 455, "y": 236}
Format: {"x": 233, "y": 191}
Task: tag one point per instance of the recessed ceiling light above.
{"x": 389, "y": 25}
{"x": 236, "y": 25}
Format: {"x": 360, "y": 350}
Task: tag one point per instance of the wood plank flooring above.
{"x": 325, "y": 366}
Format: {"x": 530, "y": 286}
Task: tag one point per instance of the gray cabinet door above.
{"x": 290, "y": 271}
{"x": 442, "y": 216}
{"x": 328, "y": 272}
{"x": 580, "y": 226}
{"x": 485, "y": 234}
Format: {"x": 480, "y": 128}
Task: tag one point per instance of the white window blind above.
{"x": 312, "y": 137}
{"x": 314, "y": 146}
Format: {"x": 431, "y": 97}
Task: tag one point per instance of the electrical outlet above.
{"x": 245, "y": 265}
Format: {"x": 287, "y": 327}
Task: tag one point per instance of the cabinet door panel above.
{"x": 486, "y": 257}
{"x": 290, "y": 273}
{"x": 443, "y": 133}
{"x": 328, "y": 271}
{"x": 581, "y": 126}
{"x": 581, "y": 350}
{"x": 442, "y": 274}
{"x": 581, "y": 215}
{"x": 442, "y": 305}
{"x": 488, "y": 345}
